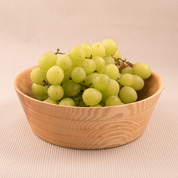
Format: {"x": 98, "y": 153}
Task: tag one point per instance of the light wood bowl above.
{"x": 88, "y": 128}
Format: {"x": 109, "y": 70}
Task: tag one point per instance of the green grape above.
{"x": 113, "y": 101}
{"x": 97, "y": 105}
{"x": 77, "y": 99}
{"x": 89, "y": 66}
{"x": 37, "y": 75}
{"x": 98, "y": 50}
{"x": 82, "y": 104}
{"x": 47, "y": 60}
{"x": 77, "y": 53}
{"x": 109, "y": 60}
{"x": 46, "y": 89}
{"x": 38, "y": 90}
{"x": 91, "y": 96}
{"x": 88, "y": 49}
{"x": 100, "y": 63}
{"x": 101, "y": 82}
{"x": 127, "y": 95}
{"x": 138, "y": 83}
{"x": 126, "y": 79}
{"x": 55, "y": 92}
{"x": 71, "y": 88}
{"x": 50, "y": 101}
{"x": 142, "y": 69}
{"x": 78, "y": 74}
{"x": 67, "y": 102}
{"x": 117, "y": 55}
{"x": 128, "y": 70}
{"x": 76, "y": 64}
{"x": 42, "y": 98}
{"x": 111, "y": 70}
{"x": 89, "y": 78}
{"x": 55, "y": 75}
{"x": 110, "y": 46}
{"x": 64, "y": 61}
{"x": 67, "y": 75}
{"x": 111, "y": 90}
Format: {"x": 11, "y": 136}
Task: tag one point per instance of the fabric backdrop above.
{"x": 146, "y": 31}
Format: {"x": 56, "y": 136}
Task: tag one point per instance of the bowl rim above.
{"x": 160, "y": 89}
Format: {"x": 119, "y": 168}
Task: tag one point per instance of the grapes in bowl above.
{"x": 90, "y": 98}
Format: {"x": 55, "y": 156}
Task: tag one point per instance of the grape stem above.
{"x": 102, "y": 104}
{"x": 89, "y": 57}
{"x": 117, "y": 80}
{"x": 45, "y": 83}
{"x": 120, "y": 61}
{"x": 58, "y": 52}
{"x": 84, "y": 86}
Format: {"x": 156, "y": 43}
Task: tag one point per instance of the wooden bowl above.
{"x": 85, "y": 127}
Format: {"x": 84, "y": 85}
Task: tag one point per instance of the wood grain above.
{"x": 88, "y": 128}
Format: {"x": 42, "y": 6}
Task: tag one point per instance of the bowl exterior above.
{"x": 88, "y": 128}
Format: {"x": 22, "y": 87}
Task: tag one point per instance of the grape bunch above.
{"x": 89, "y": 76}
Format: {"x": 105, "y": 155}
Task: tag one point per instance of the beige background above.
{"x": 145, "y": 31}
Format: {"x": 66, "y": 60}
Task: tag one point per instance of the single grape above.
{"x": 113, "y": 101}
{"x": 88, "y": 49}
{"x": 111, "y": 90}
{"x": 128, "y": 70}
{"x": 126, "y": 79}
{"x": 117, "y": 55}
{"x": 91, "y": 96}
{"x": 111, "y": 70}
{"x": 67, "y": 102}
{"x": 109, "y": 60}
{"x": 46, "y": 89}
{"x": 138, "y": 83}
{"x": 98, "y": 50}
{"x": 77, "y": 53}
{"x": 55, "y": 75}
{"x": 76, "y": 64}
{"x": 89, "y": 66}
{"x": 50, "y": 101}
{"x": 47, "y": 60}
{"x": 78, "y": 74}
{"x": 100, "y": 63}
{"x": 110, "y": 46}
{"x": 101, "y": 82}
{"x": 55, "y": 92}
{"x": 67, "y": 75}
{"x": 42, "y": 98}
{"x": 128, "y": 94}
{"x": 71, "y": 88}
{"x": 64, "y": 61}
{"x": 37, "y": 75}
{"x": 142, "y": 69}
{"x": 38, "y": 90}
{"x": 89, "y": 78}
